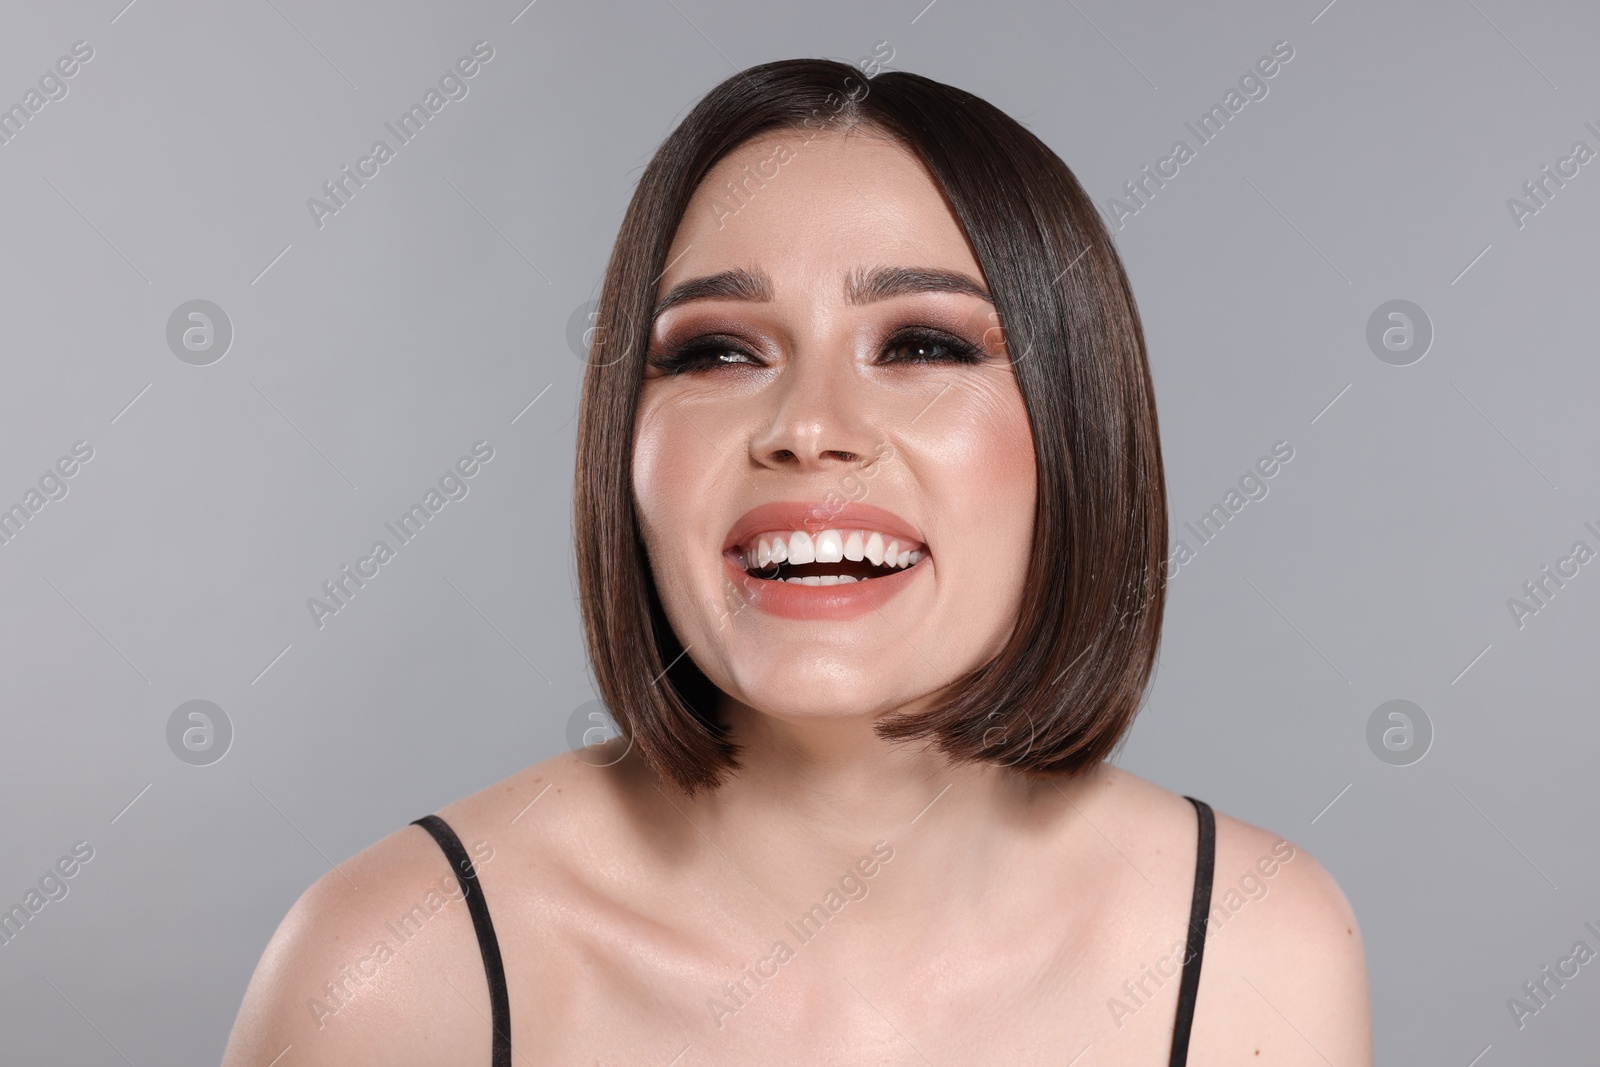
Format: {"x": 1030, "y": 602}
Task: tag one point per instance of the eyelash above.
{"x": 704, "y": 352}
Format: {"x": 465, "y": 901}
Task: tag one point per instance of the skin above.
{"x": 1003, "y": 920}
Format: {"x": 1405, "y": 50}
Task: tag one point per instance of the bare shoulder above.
{"x": 554, "y": 806}
{"x": 1284, "y": 972}
{"x": 378, "y": 961}
{"x": 1284, "y": 962}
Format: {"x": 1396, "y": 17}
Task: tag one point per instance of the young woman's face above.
{"x": 833, "y": 389}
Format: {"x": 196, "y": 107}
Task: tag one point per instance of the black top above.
{"x": 1199, "y": 914}
{"x": 500, "y": 1003}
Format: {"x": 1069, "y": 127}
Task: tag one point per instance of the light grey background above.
{"x": 371, "y": 353}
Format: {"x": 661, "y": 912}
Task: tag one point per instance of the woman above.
{"x": 871, "y": 533}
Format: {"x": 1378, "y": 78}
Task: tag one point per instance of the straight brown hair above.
{"x": 1062, "y": 692}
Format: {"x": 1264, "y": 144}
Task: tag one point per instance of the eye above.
{"x": 923, "y": 345}
{"x": 701, "y": 353}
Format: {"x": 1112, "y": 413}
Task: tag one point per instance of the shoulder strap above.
{"x": 488, "y": 944}
{"x": 1199, "y": 915}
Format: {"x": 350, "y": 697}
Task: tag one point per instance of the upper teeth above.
{"x": 831, "y": 546}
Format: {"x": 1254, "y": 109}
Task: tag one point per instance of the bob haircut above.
{"x": 1061, "y": 693}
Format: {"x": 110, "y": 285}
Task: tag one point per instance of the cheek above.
{"x": 1009, "y": 490}
{"x": 677, "y": 470}
{"x": 989, "y": 492}
{"x": 986, "y": 460}
{"x": 1010, "y": 449}
{"x": 981, "y": 476}
{"x": 650, "y": 447}
{"x": 667, "y": 461}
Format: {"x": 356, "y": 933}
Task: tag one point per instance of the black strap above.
{"x": 499, "y": 1001}
{"x": 1199, "y": 914}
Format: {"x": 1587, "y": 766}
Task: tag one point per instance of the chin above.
{"x": 823, "y": 687}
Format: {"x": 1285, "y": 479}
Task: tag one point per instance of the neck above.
{"x": 812, "y": 795}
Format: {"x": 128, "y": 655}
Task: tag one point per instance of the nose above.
{"x": 818, "y": 418}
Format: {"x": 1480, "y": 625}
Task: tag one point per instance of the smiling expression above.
{"x": 833, "y": 467}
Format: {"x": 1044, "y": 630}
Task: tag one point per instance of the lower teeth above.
{"x": 823, "y": 579}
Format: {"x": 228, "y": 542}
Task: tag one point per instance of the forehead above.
{"x": 810, "y": 207}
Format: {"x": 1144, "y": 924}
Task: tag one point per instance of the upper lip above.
{"x": 813, "y": 516}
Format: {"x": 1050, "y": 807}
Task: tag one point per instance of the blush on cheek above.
{"x": 1012, "y": 460}
{"x": 1014, "y": 463}
{"x": 664, "y": 470}
{"x": 675, "y": 477}
{"x": 654, "y": 494}
{"x": 648, "y": 451}
{"x": 991, "y": 433}
{"x": 967, "y": 461}
{"x": 1002, "y": 478}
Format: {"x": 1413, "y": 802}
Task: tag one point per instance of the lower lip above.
{"x": 791, "y": 600}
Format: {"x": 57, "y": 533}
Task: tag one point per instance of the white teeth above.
{"x": 830, "y": 547}
{"x": 873, "y": 549}
{"x": 824, "y": 579}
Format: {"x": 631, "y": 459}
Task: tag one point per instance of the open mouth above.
{"x": 827, "y": 557}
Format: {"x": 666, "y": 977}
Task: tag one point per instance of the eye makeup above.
{"x": 914, "y": 344}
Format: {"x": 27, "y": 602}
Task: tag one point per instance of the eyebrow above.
{"x": 860, "y": 286}
{"x": 881, "y": 283}
{"x": 736, "y": 284}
